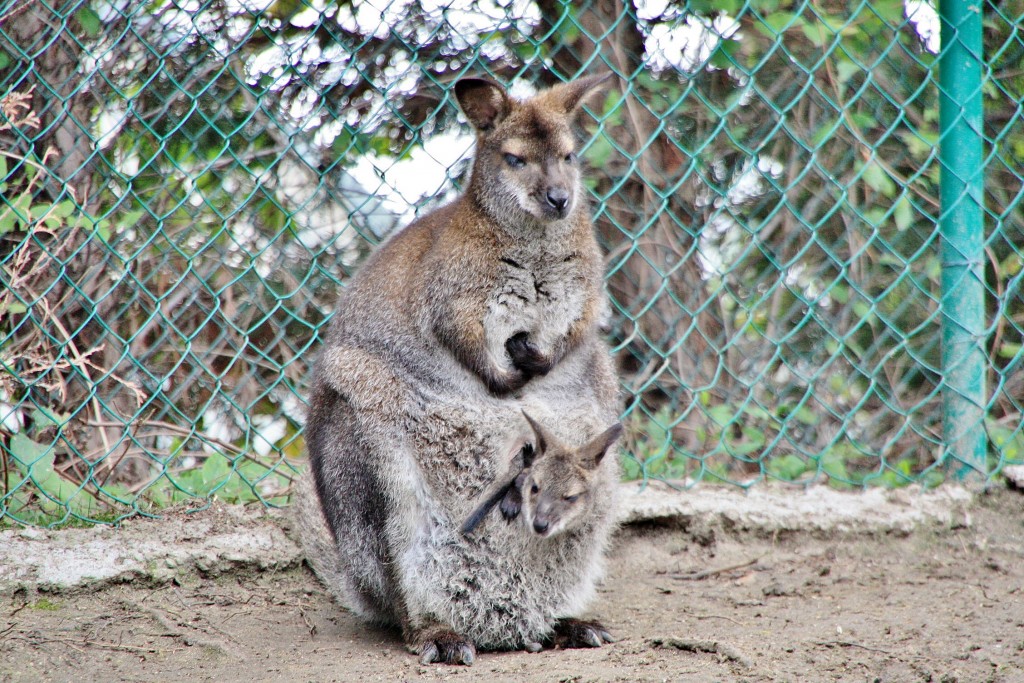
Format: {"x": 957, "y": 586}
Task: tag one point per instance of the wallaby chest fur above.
{"x": 472, "y": 313}
{"x": 452, "y": 280}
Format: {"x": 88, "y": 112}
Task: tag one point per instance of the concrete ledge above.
{"x": 228, "y": 538}
{"x": 221, "y": 539}
{"x": 766, "y": 508}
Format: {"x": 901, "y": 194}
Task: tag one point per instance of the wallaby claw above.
{"x": 447, "y": 648}
{"x": 429, "y": 654}
{"x": 574, "y": 633}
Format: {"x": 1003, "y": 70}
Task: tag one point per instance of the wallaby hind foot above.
{"x": 439, "y": 644}
{"x": 576, "y": 633}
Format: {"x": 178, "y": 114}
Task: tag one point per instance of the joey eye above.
{"x": 534, "y": 489}
{"x": 571, "y": 157}
{"x": 515, "y": 161}
{"x": 571, "y": 499}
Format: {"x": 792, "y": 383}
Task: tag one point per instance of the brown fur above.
{"x": 450, "y": 328}
{"x": 501, "y": 248}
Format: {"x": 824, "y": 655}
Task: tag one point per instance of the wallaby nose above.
{"x": 558, "y": 198}
{"x": 541, "y": 526}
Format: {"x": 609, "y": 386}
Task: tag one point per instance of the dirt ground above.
{"x": 686, "y": 604}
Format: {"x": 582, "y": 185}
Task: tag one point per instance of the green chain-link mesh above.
{"x": 186, "y": 185}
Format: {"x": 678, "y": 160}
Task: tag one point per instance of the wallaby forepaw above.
{"x": 447, "y": 648}
{"x": 525, "y": 356}
{"x": 511, "y": 504}
{"x": 574, "y": 633}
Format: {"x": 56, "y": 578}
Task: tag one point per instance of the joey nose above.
{"x": 541, "y": 526}
{"x": 558, "y": 198}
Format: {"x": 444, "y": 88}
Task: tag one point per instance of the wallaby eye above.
{"x": 572, "y": 499}
{"x": 515, "y": 161}
{"x": 571, "y": 157}
{"x": 534, "y": 489}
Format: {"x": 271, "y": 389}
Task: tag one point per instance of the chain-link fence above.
{"x": 815, "y": 276}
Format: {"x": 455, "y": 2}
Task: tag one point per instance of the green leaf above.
{"x": 630, "y": 468}
{"x": 215, "y": 470}
{"x": 903, "y": 214}
{"x": 131, "y": 218}
{"x": 787, "y": 467}
{"x": 806, "y": 416}
{"x": 714, "y": 7}
{"x": 704, "y": 7}
{"x": 13, "y": 308}
{"x": 862, "y": 309}
{"x": 847, "y": 70}
{"x": 816, "y": 34}
{"x": 28, "y": 455}
{"x": 89, "y": 21}
{"x": 35, "y": 460}
{"x": 891, "y": 11}
{"x": 1010, "y": 350}
{"x": 721, "y": 414}
{"x": 44, "y": 417}
{"x": 599, "y": 151}
{"x": 778, "y": 22}
{"x": 723, "y": 56}
{"x": 22, "y": 206}
{"x": 103, "y": 230}
{"x": 8, "y": 221}
{"x": 64, "y": 209}
{"x": 878, "y": 180}
{"x": 752, "y": 441}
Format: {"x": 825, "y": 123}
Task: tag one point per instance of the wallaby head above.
{"x": 557, "y": 488}
{"x": 526, "y": 165}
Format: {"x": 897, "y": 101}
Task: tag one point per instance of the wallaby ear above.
{"x": 540, "y": 434}
{"x": 571, "y": 95}
{"x": 593, "y": 453}
{"x": 485, "y": 103}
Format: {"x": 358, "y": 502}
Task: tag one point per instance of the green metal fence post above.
{"x": 962, "y": 231}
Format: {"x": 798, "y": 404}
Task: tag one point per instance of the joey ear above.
{"x": 572, "y": 94}
{"x": 540, "y": 434}
{"x": 593, "y": 453}
{"x": 485, "y": 103}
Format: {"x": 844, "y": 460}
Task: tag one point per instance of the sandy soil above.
{"x": 686, "y": 603}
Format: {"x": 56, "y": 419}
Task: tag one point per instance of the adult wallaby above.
{"x": 553, "y": 480}
{"x": 471, "y": 312}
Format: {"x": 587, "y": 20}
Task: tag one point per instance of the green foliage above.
{"x": 768, "y": 195}
{"x": 46, "y": 605}
{"x": 651, "y": 450}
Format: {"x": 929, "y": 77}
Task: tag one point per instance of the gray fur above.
{"x": 415, "y": 409}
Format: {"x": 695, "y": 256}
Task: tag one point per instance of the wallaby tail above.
{"x": 323, "y": 556}
{"x": 315, "y": 536}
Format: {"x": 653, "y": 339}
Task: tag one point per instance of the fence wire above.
{"x": 186, "y": 186}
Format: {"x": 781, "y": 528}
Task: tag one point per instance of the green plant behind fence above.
{"x": 185, "y": 188}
